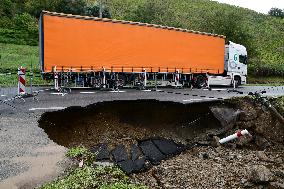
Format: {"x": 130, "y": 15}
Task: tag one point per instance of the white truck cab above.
{"x": 235, "y": 66}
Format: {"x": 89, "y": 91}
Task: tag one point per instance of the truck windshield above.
{"x": 243, "y": 59}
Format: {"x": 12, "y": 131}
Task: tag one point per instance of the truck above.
{"x": 107, "y": 53}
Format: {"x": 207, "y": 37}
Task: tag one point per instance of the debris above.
{"x": 103, "y": 163}
{"x": 247, "y": 116}
{"x": 151, "y": 152}
{"x": 139, "y": 164}
{"x": 203, "y": 155}
{"x": 215, "y": 141}
{"x": 244, "y": 140}
{"x": 168, "y": 147}
{"x": 261, "y": 142}
{"x": 226, "y": 116}
{"x": 119, "y": 153}
{"x": 261, "y": 174}
{"x": 102, "y": 152}
{"x": 127, "y": 166}
{"x": 135, "y": 152}
{"x": 81, "y": 163}
{"x": 276, "y": 185}
{"x": 238, "y": 134}
{"x": 262, "y": 156}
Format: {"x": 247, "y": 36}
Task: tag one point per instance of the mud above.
{"x": 127, "y": 121}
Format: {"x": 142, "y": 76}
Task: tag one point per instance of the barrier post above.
{"x": 21, "y": 81}
{"x": 177, "y": 78}
{"x": 234, "y": 82}
{"x": 104, "y": 78}
{"x": 145, "y": 78}
{"x": 56, "y": 87}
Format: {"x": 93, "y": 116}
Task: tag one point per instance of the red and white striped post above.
{"x": 21, "y": 81}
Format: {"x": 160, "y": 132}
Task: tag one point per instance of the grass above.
{"x": 14, "y": 56}
{"x": 109, "y": 177}
{"x": 263, "y": 81}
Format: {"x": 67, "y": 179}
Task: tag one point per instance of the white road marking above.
{"x": 117, "y": 91}
{"x": 87, "y": 92}
{"x": 62, "y": 94}
{"x": 146, "y": 90}
{"x": 215, "y": 89}
{"x": 209, "y": 98}
{"x": 3, "y": 95}
{"x": 195, "y": 99}
{"x": 48, "y": 108}
{"x": 41, "y": 90}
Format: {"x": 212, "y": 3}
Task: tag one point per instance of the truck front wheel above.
{"x": 238, "y": 81}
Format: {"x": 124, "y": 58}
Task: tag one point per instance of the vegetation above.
{"x": 82, "y": 153}
{"x": 12, "y": 57}
{"x": 278, "y": 103}
{"x": 263, "y": 35}
{"x": 90, "y": 177}
{"x": 276, "y": 12}
{"x": 109, "y": 177}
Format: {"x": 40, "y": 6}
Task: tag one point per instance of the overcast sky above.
{"x": 262, "y": 6}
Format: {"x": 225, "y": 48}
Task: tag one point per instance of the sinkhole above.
{"x": 117, "y": 122}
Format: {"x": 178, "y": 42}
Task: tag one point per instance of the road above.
{"x": 27, "y": 155}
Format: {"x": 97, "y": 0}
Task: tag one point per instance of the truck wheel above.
{"x": 237, "y": 81}
{"x": 200, "y": 82}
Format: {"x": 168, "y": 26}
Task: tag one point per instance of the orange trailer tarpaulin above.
{"x": 86, "y": 43}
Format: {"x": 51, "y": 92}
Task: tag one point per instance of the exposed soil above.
{"x": 127, "y": 121}
{"x": 205, "y": 166}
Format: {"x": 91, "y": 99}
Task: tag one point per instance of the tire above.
{"x": 238, "y": 81}
{"x": 200, "y": 82}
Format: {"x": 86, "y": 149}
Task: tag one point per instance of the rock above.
{"x": 215, "y": 141}
{"x": 261, "y": 174}
{"x": 151, "y": 152}
{"x": 244, "y": 140}
{"x": 168, "y": 147}
{"x": 261, "y": 142}
{"x": 135, "y": 152}
{"x": 203, "y": 155}
{"x": 262, "y": 156}
{"x": 102, "y": 151}
{"x": 226, "y": 116}
{"x": 119, "y": 153}
{"x": 276, "y": 185}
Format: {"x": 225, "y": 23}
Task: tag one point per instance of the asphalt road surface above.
{"x": 28, "y": 157}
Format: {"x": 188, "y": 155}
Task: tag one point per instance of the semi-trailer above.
{"x": 100, "y": 52}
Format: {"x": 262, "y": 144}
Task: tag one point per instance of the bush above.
{"x": 21, "y": 29}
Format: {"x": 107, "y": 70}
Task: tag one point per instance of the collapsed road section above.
{"x": 139, "y": 135}
{"x": 116, "y": 121}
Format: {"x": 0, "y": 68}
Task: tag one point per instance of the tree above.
{"x": 276, "y": 12}
{"x": 93, "y": 9}
{"x": 7, "y": 8}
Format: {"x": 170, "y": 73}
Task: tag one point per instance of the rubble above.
{"x": 261, "y": 174}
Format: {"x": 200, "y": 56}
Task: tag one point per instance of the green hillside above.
{"x": 263, "y": 35}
